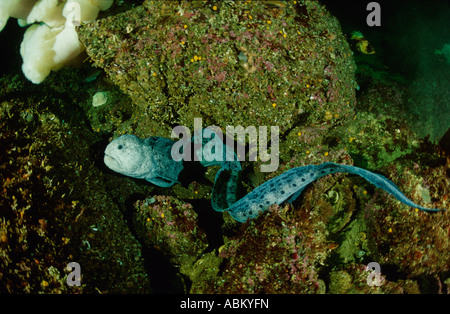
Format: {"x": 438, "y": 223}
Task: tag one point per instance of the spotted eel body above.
{"x": 289, "y": 185}
{"x": 163, "y": 171}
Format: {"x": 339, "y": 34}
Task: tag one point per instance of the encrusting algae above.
{"x": 228, "y": 63}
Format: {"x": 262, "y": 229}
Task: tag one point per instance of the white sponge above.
{"x": 47, "y": 11}
{"x": 53, "y": 44}
{"x": 67, "y": 46}
{"x": 37, "y": 52}
{"x": 14, "y": 8}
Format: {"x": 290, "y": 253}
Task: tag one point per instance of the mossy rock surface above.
{"x": 230, "y": 63}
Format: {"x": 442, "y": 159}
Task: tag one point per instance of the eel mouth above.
{"x": 112, "y": 162}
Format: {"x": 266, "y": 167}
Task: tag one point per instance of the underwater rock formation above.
{"x": 271, "y": 64}
{"x": 236, "y": 63}
{"x": 172, "y": 227}
{"x": 54, "y": 205}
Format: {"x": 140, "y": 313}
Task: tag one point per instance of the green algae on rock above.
{"x": 238, "y": 63}
{"x": 171, "y": 226}
{"x": 54, "y": 206}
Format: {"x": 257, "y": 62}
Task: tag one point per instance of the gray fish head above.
{"x": 125, "y": 155}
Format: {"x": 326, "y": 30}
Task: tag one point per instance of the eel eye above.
{"x": 119, "y": 147}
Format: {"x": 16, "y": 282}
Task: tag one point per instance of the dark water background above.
{"x": 405, "y": 45}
